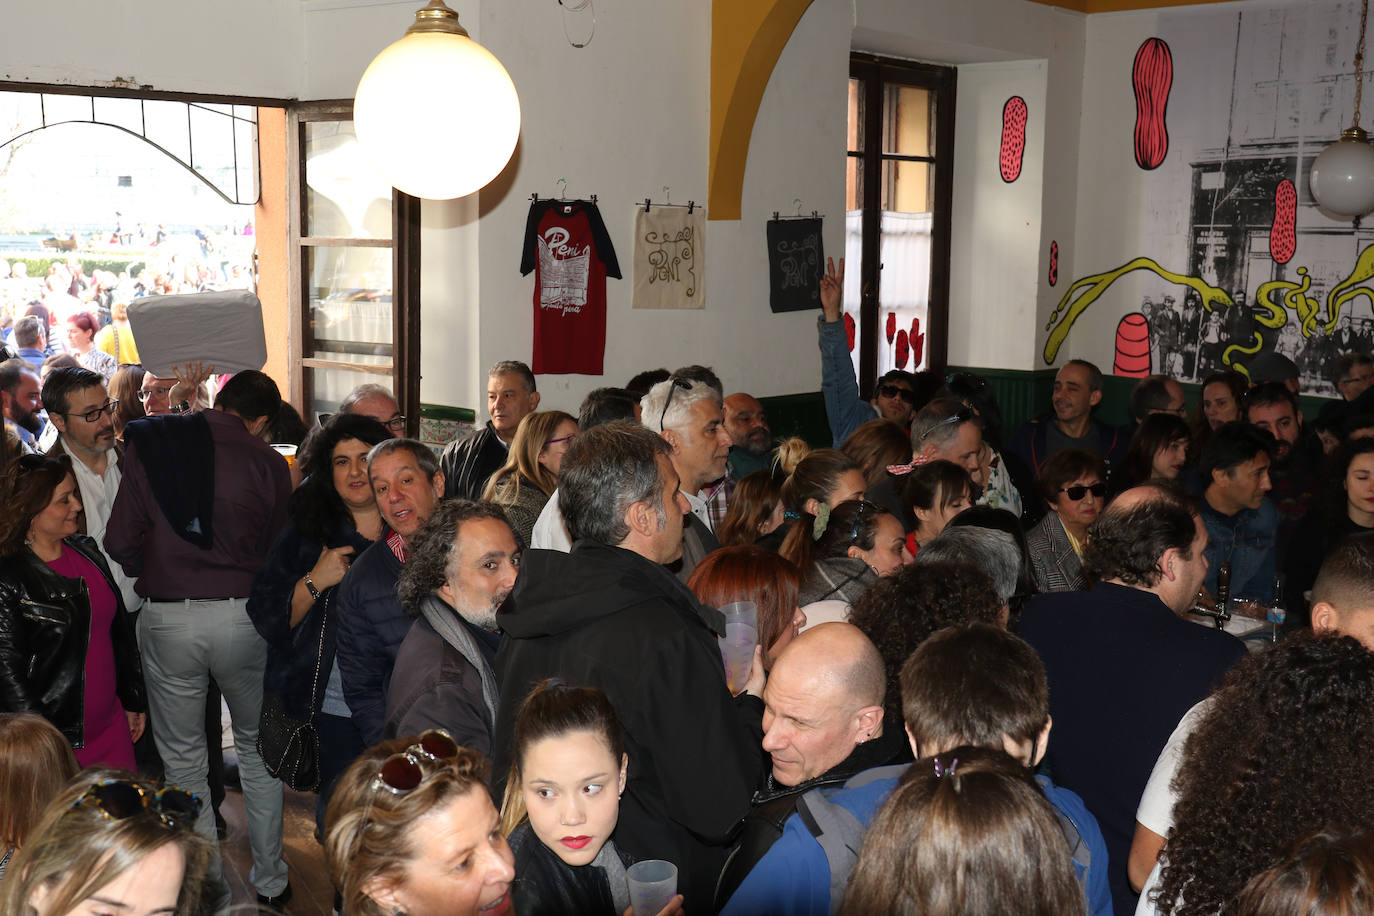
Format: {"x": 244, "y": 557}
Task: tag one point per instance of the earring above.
{"x": 874, "y": 568}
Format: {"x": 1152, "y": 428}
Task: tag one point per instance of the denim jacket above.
{"x": 1246, "y": 541}
{"x": 844, "y": 406}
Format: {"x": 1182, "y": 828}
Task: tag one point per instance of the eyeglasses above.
{"x": 401, "y": 773}
{"x": 1076, "y": 493}
{"x": 119, "y": 799}
{"x": 560, "y": 439}
{"x": 1358, "y": 378}
{"x": 963, "y": 415}
{"x": 158, "y": 391}
{"x": 93, "y": 415}
{"x": 897, "y": 391}
{"x": 676, "y": 384}
{"x": 396, "y": 424}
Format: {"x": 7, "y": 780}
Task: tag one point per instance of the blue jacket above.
{"x": 793, "y": 877}
{"x": 845, "y": 408}
{"x": 1246, "y": 541}
{"x": 372, "y": 626}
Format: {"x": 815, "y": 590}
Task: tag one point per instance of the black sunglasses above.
{"x": 962, "y": 415}
{"x": 402, "y": 773}
{"x": 858, "y": 521}
{"x": 897, "y": 391}
{"x": 118, "y": 799}
{"x": 1076, "y": 493}
{"x": 676, "y": 384}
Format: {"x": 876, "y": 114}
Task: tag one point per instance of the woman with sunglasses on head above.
{"x": 568, "y": 772}
{"x": 821, "y": 481}
{"x": 523, "y": 485}
{"x": 67, "y": 647}
{"x": 411, "y": 829}
{"x": 110, "y": 843}
{"x": 36, "y": 763}
{"x": 854, "y": 545}
{"x": 1072, "y": 485}
{"x": 333, "y": 517}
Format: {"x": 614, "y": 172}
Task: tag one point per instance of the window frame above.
{"x": 874, "y": 74}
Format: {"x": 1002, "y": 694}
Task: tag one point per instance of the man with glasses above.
{"x": 372, "y": 400}
{"x": 1077, "y": 390}
{"x": 1157, "y": 394}
{"x": 894, "y": 397}
{"x": 83, "y": 414}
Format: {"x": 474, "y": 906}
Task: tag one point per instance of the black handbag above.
{"x": 289, "y": 746}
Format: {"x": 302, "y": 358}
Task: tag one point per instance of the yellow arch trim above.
{"x": 747, "y": 38}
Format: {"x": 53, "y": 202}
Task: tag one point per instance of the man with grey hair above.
{"x": 468, "y": 462}
{"x": 946, "y": 429}
{"x": 688, "y": 415}
{"x": 408, "y": 484}
{"x": 994, "y": 552}
{"x": 462, "y": 565}
{"x": 609, "y": 615}
{"x": 375, "y": 401}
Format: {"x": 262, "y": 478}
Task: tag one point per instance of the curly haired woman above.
{"x": 1282, "y": 752}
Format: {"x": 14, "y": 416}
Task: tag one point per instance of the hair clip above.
{"x": 790, "y": 516}
{"x": 942, "y": 771}
{"x": 897, "y": 470}
{"x": 822, "y": 520}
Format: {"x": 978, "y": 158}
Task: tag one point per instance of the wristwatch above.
{"x": 183, "y": 407}
{"x": 310, "y": 587}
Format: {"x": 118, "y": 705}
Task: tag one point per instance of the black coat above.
{"x": 545, "y": 885}
{"x": 468, "y": 462}
{"x": 606, "y": 617}
{"x": 45, "y": 625}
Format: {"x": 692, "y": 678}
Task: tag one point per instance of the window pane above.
{"x": 345, "y": 197}
{"x": 853, "y": 259}
{"x": 908, "y": 187}
{"x": 904, "y": 295}
{"x": 350, "y": 303}
{"x": 330, "y": 386}
{"x": 853, "y": 184}
{"x": 855, "y": 133}
{"x": 907, "y": 120}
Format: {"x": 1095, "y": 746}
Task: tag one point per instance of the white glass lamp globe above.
{"x": 436, "y": 112}
{"x": 1342, "y": 178}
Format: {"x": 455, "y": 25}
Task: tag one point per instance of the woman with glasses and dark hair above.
{"x": 67, "y": 647}
{"x": 523, "y": 485}
{"x": 1072, "y": 484}
{"x": 411, "y": 829}
{"x": 855, "y": 544}
{"x": 110, "y": 843}
{"x": 333, "y": 517}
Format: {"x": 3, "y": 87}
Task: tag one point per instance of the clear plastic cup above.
{"x": 737, "y": 645}
{"x": 287, "y": 451}
{"x": 653, "y": 883}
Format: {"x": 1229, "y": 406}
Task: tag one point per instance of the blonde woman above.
{"x": 530, "y": 475}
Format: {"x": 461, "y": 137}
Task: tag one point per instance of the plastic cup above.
{"x": 737, "y": 645}
{"x": 287, "y": 451}
{"x": 653, "y": 883}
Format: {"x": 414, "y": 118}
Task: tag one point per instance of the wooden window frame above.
{"x": 874, "y": 73}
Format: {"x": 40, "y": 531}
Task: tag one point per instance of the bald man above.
{"x": 822, "y": 723}
{"x": 751, "y": 438}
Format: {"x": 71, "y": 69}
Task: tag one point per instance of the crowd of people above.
{"x": 1066, "y": 668}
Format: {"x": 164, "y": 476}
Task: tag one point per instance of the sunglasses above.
{"x": 963, "y": 415}
{"x": 94, "y": 414}
{"x": 897, "y": 391}
{"x": 119, "y": 799}
{"x": 677, "y": 383}
{"x": 1078, "y": 492}
{"x": 402, "y": 773}
{"x": 855, "y": 528}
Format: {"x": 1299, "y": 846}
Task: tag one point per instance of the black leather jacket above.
{"x": 45, "y": 623}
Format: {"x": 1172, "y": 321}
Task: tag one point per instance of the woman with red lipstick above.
{"x": 562, "y": 804}
{"x": 411, "y": 829}
{"x": 1347, "y": 509}
{"x": 333, "y": 518}
{"x": 67, "y": 647}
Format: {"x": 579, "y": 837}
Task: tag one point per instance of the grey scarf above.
{"x": 445, "y": 621}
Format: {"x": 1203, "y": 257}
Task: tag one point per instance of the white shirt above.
{"x": 550, "y": 531}
{"x": 97, "y": 498}
{"x": 698, "y": 504}
{"x": 1156, "y": 810}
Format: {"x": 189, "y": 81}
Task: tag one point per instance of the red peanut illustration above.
{"x": 849, "y": 330}
{"x": 1014, "y": 115}
{"x": 1132, "y": 346}
{"x": 1054, "y": 262}
{"x": 903, "y": 350}
{"x": 1283, "y": 238}
{"x": 917, "y": 341}
{"x": 891, "y": 326}
{"x": 1151, "y": 77}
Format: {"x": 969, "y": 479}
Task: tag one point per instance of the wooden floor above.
{"x": 311, "y": 891}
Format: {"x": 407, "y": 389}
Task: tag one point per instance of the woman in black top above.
{"x": 1347, "y": 509}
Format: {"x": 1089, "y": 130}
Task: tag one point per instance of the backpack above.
{"x": 840, "y": 834}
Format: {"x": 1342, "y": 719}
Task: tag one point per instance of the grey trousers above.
{"x": 183, "y": 643}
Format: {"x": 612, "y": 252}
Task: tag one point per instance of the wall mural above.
{"x": 1237, "y": 258}
{"x": 1014, "y": 116}
{"x": 1053, "y": 275}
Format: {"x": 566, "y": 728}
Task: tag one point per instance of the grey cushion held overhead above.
{"x": 223, "y": 329}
